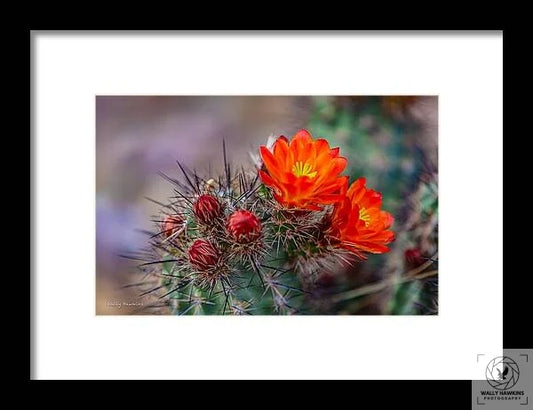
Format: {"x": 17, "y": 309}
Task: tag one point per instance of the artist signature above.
{"x": 118, "y": 304}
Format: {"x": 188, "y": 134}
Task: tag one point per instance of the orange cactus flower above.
{"x": 304, "y": 173}
{"x": 359, "y": 223}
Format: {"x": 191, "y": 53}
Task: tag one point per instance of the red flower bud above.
{"x": 413, "y": 257}
{"x": 202, "y": 255}
{"x": 172, "y": 224}
{"x": 244, "y": 226}
{"x": 207, "y": 208}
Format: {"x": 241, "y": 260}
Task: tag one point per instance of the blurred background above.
{"x": 391, "y": 140}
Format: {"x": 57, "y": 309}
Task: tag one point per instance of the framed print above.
{"x": 362, "y": 240}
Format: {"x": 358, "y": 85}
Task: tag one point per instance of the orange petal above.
{"x": 382, "y": 236}
{"x": 331, "y": 170}
{"x": 387, "y": 218}
{"x": 302, "y": 134}
{"x": 371, "y": 199}
{"x": 268, "y": 181}
{"x": 281, "y": 152}
{"x": 306, "y": 153}
{"x": 299, "y": 147}
{"x": 270, "y": 162}
{"x": 344, "y": 184}
{"x": 329, "y": 198}
{"x": 376, "y": 248}
{"x": 338, "y": 185}
{"x": 322, "y": 146}
{"x": 357, "y": 190}
{"x": 324, "y": 153}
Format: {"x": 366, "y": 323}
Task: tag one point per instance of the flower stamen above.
{"x": 364, "y": 216}
{"x": 301, "y": 169}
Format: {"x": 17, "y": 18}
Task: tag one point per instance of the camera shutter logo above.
{"x": 502, "y": 373}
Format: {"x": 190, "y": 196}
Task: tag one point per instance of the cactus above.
{"x": 263, "y": 239}
{"x": 256, "y": 241}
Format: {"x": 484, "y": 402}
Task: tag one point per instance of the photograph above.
{"x": 267, "y": 205}
{"x": 269, "y": 195}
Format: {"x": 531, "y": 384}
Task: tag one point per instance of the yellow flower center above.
{"x": 301, "y": 169}
{"x": 363, "y": 215}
